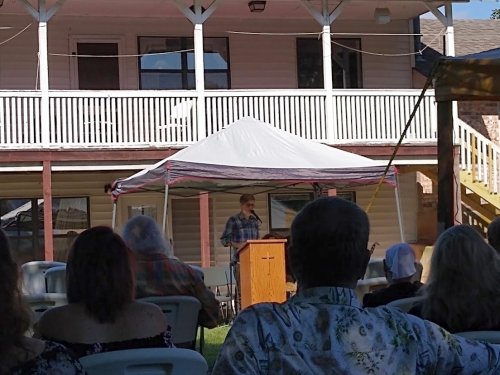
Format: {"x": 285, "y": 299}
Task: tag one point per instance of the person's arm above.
{"x": 441, "y": 352}
{"x": 241, "y": 352}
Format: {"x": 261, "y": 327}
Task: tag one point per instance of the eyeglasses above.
{"x": 372, "y": 248}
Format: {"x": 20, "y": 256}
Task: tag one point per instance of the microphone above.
{"x": 256, "y": 216}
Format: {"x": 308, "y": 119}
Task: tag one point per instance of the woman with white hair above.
{"x": 159, "y": 273}
{"x": 463, "y": 289}
{"x": 400, "y": 270}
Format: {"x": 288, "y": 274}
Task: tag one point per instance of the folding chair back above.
{"x": 216, "y": 278}
{"x": 182, "y": 315}
{"x": 375, "y": 268}
{"x": 55, "y": 279}
{"x": 33, "y": 276}
{"x": 492, "y": 337}
{"x": 39, "y": 303}
{"x": 405, "y": 304}
{"x": 151, "y": 361}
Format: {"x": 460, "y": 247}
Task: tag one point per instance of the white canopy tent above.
{"x": 253, "y": 153}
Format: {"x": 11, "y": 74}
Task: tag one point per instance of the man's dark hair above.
{"x": 494, "y": 233}
{"x": 329, "y": 239}
{"x": 244, "y": 198}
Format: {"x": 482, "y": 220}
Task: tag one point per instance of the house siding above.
{"x": 256, "y": 61}
{"x": 184, "y": 215}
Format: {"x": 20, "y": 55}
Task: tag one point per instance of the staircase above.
{"x": 479, "y": 176}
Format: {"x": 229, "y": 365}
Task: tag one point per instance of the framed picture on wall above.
{"x": 283, "y": 208}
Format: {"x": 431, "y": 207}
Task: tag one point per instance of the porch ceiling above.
{"x": 355, "y": 10}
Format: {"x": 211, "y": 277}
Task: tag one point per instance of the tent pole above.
{"x": 165, "y": 207}
{"x": 398, "y": 206}
{"x": 113, "y": 220}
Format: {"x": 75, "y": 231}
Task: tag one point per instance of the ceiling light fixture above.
{"x": 382, "y": 16}
{"x": 256, "y": 6}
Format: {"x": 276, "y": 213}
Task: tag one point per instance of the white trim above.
{"x": 73, "y": 66}
{"x": 76, "y": 168}
{"x": 21, "y": 169}
{"x": 85, "y": 168}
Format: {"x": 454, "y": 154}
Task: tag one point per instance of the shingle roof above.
{"x": 471, "y": 36}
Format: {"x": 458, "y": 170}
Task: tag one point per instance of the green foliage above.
{"x": 495, "y": 14}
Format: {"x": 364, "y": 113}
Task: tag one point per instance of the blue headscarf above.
{"x": 400, "y": 260}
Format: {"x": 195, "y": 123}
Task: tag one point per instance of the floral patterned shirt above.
{"x": 55, "y": 359}
{"x": 325, "y": 331}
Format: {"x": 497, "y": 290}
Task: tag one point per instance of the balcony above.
{"x": 154, "y": 119}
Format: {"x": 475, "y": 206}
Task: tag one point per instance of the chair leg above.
{"x": 202, "y": 339}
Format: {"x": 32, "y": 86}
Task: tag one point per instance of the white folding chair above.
{"x": 405, "y": 304}
{"x": 55, "y": 279}
{"x": 367, "y": 285}
{"x": 182, "y": 315}
{"x": 216, "y": 279}
{"x": 33, "y": 275}
{"x": 375, "y": 268}
{"x": 39, "y": 303}
{"x": 492, "y": 337}
{"x": 152, "y": 361}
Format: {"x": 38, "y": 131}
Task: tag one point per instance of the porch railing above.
{"x": 479, "y": 157}
{"x": 143, "y": 119}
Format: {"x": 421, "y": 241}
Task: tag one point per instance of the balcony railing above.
{"x": 144, "y": 119}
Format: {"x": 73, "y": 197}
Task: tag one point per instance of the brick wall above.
{"x": 483, "y": 117}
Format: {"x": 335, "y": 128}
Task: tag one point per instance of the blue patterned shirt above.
{"x": 325, "y": 331}
{"x": 239, "y": 229}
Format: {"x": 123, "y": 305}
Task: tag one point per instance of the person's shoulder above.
{"x": 148, "y": 313}
{"x": 145, "y": 307}
{"x": 54, "y": 319}
{"x": 258, "y": 311}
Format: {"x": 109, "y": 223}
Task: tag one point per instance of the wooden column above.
{"x": 47, "y": 210}
{"x": 446, "y": 206}
{"x": 205, "y": 229}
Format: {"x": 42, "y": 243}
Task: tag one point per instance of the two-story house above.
{"x": 95, "y": 90}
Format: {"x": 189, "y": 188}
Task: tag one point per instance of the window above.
{"x": 284, "y": 207}
{"x": 346, "y": 63}
{"x": 24, "y": 225}
{"x": 175, "y": 71}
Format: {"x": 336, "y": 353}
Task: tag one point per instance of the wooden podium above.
{"x": 262, "y": 271}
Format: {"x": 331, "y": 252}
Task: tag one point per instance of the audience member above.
{"x": 323, "y": 329}
{"x": 463, "y": 289}
{"x": 399, "y": 267}
{"x": 159, "y": 274}
{"x": 494, "y": 233}
{"x": 102, "y": 314}
{"x": 20, "y": 354}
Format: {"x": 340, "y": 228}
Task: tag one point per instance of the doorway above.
{"x": 99, "y": 72}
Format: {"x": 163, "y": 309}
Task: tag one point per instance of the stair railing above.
{"x": 479, "y": 156}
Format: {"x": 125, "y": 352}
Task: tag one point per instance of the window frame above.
{"x": 37, "y": 227}
{"x": 359, "y": 73}
{"x": 184, "y": 71}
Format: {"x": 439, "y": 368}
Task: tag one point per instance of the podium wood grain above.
{"x": 262, "y": 271}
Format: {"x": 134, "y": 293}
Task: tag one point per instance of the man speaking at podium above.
{"x": 240, "y": 228}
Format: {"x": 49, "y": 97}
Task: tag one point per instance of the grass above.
{"x": 213, "y": 341}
